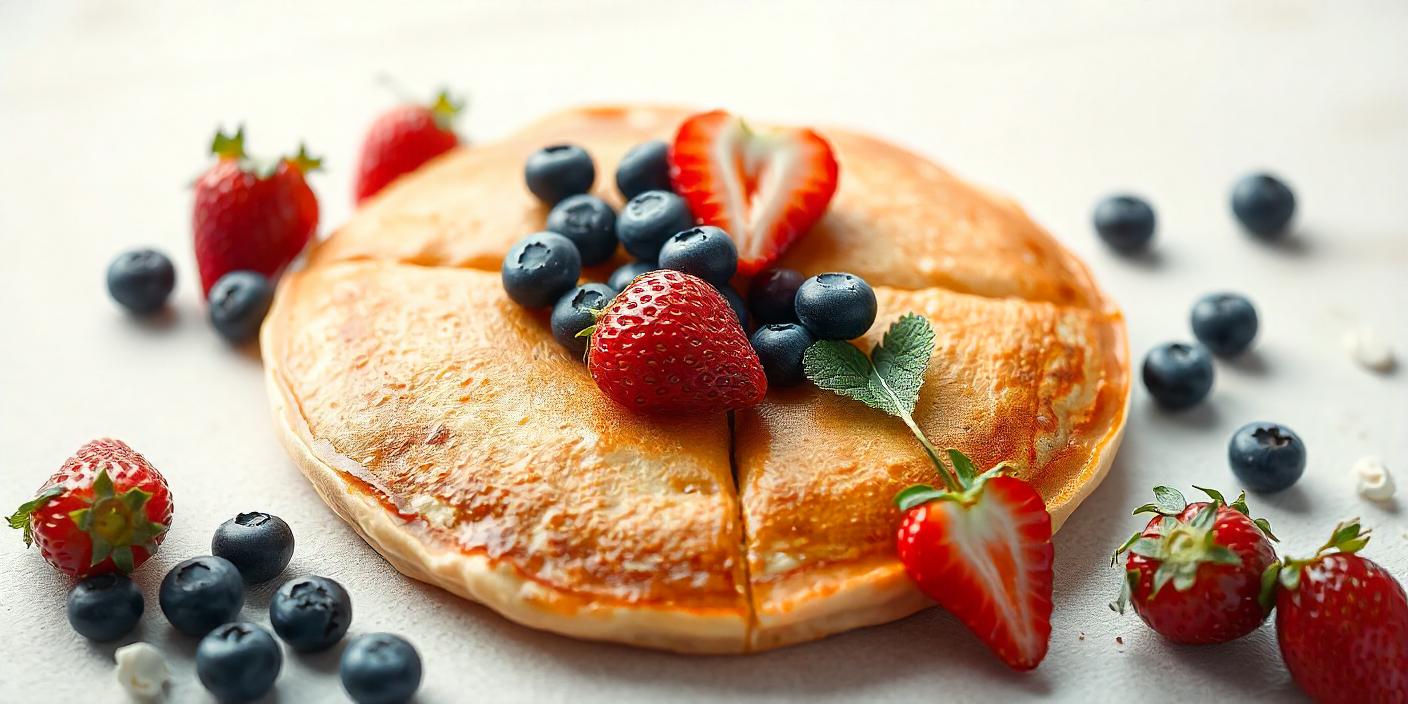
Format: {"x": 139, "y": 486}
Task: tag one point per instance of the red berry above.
{"x": 248, "y": 216}
{"x": 765, "y": 190}
{"x": 1342, "y": 623}
{"x": 1194, "y": 573}
{"x": 402, "y": 139}
{"x": 105, "y": 510}
{"x": 983, "y": 551}
{"x": 671, "y": 343}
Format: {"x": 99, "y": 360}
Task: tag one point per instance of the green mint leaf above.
{"x": 902, "y": 356}
{"x": 840, "y": 368}
{"x": 891, "y": 382}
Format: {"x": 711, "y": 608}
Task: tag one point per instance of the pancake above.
{"x": 1037, "y": 385}
{"x": 445, "y": 424}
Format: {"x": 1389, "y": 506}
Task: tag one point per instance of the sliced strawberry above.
{"x": 766, "y": 190}
{"x": 982, "y": 550}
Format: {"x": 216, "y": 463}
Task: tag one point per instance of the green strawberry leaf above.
{"x": 901, "y": 358}
{"x": 19, "y": 520}
{"x": 967, "y": 471}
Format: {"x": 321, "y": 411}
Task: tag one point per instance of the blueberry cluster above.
{"x": 141, "y": 280}
{"x": 239, "y": 661}
{"x": 1264, "y": 456}
{"x": 793, "y": 312}
{"x": 655, "y": 227}
{"x": 1261, "y": 202}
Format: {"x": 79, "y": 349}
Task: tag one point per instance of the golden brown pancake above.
{"x": 445, "y": 424}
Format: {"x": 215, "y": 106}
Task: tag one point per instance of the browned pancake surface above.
{"x": 457, "y": 405}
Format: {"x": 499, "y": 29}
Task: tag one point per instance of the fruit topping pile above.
{"x": 711, "y": 211}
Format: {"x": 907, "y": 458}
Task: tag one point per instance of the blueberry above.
{"x": 380, "y": 668}
{"x": 238, "y": 303}
{"x": 705, "y": 251}
{"x": 238, "y": 662}
{"x": 773, "y": 295}
{"x": 573, "y": 314}
{"x": 591, "y": 225}
{"x": 105, "y": 607}
{"x": 1125, "y": 222}
{"x": 1224, "y": 322}
{"x": 540, "y": 268}
{"x": 648, "y": 220}
{"x": 1264, "y": 204}
{"x": 1266, "y": 456}
{"x": 1178, "y": 375}
{"x": 735, "y": 302}
{"x": 646, "y": 167}
{"x": 141, "y": 280}
{"x": 258, "y": 544}
{"x": 780, "y": 347}
{"x": 835, "y": 306}
{"x": 558, "y": 171}
{"x": 623, "y": 276}
{"x": 200, "y": 594}
{"x": 311, "y": 613}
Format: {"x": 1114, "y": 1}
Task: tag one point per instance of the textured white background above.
{"x": 106, "y": 107}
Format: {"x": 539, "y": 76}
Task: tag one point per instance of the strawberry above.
{"x": 671, "y": 343}
{"x": 105, "y": 510}
{"x": 1194, "y": 573}
{"x": 251, "y": 216}
{"x": 402, "y": 139}
{"x": 982, "y": 549}
{"x": 766, "y": 190}
{"x": 1342, "y": 622}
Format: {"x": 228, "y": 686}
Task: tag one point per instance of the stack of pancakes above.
{"x": 445, "y": 424}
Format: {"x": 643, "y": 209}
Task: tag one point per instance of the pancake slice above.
{"x": 897, "y": 218}
{"x": 448, "y": 427}
{"x": 1039, "y": 385}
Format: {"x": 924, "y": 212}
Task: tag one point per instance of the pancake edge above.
{"x": 496, "y": 584}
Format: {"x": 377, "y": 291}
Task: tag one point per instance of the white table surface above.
{"x": 106, "y": 108}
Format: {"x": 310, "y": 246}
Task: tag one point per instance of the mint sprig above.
{"x": 888, "y": 381}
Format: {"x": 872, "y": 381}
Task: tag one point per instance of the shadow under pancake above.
{"x": 929, "y": 646}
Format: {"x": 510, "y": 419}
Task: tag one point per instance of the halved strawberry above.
{"x": 982, "y": 549}
{"x": 766, "y": 190}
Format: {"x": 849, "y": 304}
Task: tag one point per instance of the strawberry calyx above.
{"x": 117, "y": 522}
{"x": 1348, "y": 537}
{"x": 445, "y": 108}
{"x": 1181, "y": 546}
{"x": 230, "y": 147}
{"x": 964, "y": 484}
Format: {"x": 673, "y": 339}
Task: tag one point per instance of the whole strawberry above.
{"x": 670, "y": 343}
{"x": 1194, "y": 573}
{"x": 1342, "y": 622}
{"x": 251, "y": 216}
{"x": 402, "y": 139}
{"x": 106, "y": 509}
